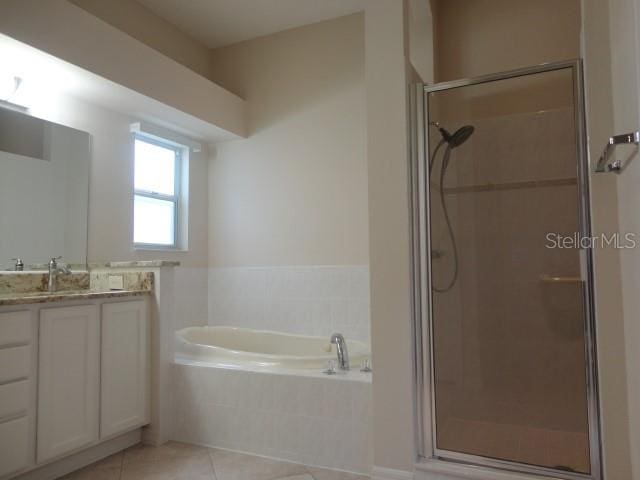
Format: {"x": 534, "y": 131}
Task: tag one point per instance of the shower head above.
{"x": 458, "y": 137}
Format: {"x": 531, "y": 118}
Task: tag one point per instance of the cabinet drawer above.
{"x": 15, "y": 328}
{"x": 14, "y": 445}
{"x": 14, "y": 398}
{"x": 14, "y": 363}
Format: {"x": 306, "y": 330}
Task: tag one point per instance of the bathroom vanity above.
{"x": 74, "y": 354}
{"x": 74, "y": 374}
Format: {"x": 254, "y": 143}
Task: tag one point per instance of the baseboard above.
{"x": 270, "y": 457}
{"x": 380, "y": 473}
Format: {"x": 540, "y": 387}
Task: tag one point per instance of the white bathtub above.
{"x": 234, "y": 347}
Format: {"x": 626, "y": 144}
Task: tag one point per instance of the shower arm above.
{"x": 604, "y": 165}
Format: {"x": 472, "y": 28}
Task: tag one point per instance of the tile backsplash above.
{"x": 24, "y": 282}
{"x": 308, "y": 300}
{"x": 130, "y": 280}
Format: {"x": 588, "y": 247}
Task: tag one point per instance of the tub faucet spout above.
{"x": 341, "y": 348}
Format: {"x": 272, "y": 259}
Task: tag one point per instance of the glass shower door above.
{"x": 511, "y": 344}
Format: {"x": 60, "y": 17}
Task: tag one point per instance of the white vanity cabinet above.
{"x": 74, "y": 382}
{"x": 124, "y": 368}
{"x": 69, "y": 379}
{"x": 93, "y": 375}
{"x": 74, "y": 378}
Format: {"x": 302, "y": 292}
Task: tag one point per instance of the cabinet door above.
{"x": 69, "y": 382}
{"x": 125, "y": 367}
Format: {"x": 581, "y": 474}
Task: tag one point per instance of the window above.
{"x": 157, "y": 181}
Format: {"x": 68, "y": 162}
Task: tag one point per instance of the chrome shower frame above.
{"x": 429, "y": 457}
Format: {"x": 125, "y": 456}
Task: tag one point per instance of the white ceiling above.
{"x": 222, "y": 22}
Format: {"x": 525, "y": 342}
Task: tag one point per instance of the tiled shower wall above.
{"x": 308, "y": 300}
{"x": 499, "y": 308}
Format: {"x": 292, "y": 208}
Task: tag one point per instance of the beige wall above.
{"x": 387, "y": 78}
{"x": 295, "y": 191}
{"x": 611, "y": 50}
{"x": 142, "y": 24}
{"x": 421, "y": 49}
{"x": 598, "y": 26}
{"x": 111, "y": 185}
{"x": 486, "y": 36}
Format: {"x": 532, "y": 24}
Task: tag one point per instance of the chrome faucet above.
{"x": 341, "y": 348}
{"x": 54, "y": 270}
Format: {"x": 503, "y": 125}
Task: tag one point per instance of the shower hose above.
{"x": 443, "y": 170}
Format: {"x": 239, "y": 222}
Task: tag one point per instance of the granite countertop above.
{"x": 137, "y": 264}
{"x": 27, "y": 288}
{"x": 66, "y": 295}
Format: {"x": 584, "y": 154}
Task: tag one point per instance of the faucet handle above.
{"x": 366, "y": 366}
{"x": 53, "y": 263}
{"x": 331, "y": 368}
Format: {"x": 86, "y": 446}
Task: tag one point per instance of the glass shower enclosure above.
{"x": 506, "y": 363}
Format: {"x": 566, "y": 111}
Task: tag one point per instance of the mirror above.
{"x": 44, "y": 191}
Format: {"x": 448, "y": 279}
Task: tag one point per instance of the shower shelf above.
{"x": 560, "y": 279}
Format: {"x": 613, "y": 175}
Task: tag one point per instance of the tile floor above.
{"x": 181, "y": 461}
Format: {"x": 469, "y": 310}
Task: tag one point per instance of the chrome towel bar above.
{"x": 604, "y": 165}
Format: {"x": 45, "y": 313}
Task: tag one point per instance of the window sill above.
{"x": 152, "y": 248}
